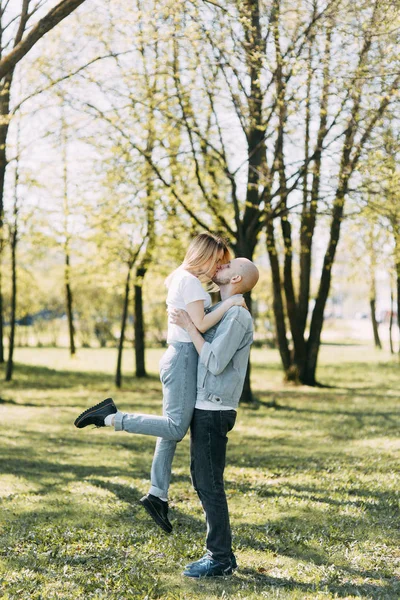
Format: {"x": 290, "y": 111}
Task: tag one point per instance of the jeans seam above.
{"x": 210, "y": 462}
{"x": 186, "y": 361}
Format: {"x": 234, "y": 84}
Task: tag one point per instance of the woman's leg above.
{"x": 161, "y": 467}
{"x": 165, "y": 449}
{"x": 178, "y": 397}
{"x": 178, "y": 373}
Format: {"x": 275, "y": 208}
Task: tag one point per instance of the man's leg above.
{"x": 208, "y": 451}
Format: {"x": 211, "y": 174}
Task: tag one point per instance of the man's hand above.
{"x": 181, "y": 318}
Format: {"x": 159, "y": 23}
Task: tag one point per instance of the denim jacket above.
{"x": 224, "y": 357}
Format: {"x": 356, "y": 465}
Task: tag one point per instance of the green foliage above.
{"x": 311, "y": 483}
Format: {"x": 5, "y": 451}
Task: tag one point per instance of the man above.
{"x": 223, "y": 359}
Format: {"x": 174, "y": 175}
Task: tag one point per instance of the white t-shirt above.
{"x": 183, "y": 289}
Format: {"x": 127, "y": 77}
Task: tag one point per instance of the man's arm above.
{"x": 227, "y": 340}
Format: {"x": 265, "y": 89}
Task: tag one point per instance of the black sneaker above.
{"x": 96, "y": 414}
{"x": 158, "y": 510}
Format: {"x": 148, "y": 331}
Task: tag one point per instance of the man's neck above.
{"x": 227, "y": 291}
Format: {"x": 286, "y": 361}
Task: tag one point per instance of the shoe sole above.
{"x": 92, "y": 409}
{"x": 189, "y": 565}
{"x": 155, "y": 516}
{"x": 208, "y": 576}
{"x": 233, "y": 568}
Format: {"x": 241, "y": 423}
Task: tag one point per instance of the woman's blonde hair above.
{"x": 202, "y": 248}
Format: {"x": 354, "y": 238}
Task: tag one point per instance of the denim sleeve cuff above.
{"x": 118, "y": 421}
{"x": 205, "y": 353}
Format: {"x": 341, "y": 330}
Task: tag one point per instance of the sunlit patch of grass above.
{"x": 312, "y": 484}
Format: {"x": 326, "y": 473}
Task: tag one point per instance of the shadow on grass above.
{"x": 368, "y": 590}
{"x": 357, "y": 414}
{"x": 314, "y": 536}
{"x": 13, "y": 402}
{"x": 132, "y": 496}
{"x": 38, "y": 377}
{"x": 372, "y": 502}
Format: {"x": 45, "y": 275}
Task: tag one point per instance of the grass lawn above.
{"x": 312, "y": 484}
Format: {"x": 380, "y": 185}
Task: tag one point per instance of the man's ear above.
{"x": 236, "y": 279}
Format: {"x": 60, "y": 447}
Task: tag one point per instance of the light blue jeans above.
{"x": 178, "y": 374}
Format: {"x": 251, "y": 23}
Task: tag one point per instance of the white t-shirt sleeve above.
{"x": 192, "y": 290}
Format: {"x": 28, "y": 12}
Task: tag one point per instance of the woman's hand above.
{"x": 180, "y": 317}
{"x": 239, "y": 301}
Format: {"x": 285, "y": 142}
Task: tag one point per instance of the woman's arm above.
{"x": 228, "y": 338}
{"x": 203, "y": 321}
{"x": 181, "y": 318}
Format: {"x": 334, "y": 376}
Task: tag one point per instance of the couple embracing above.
{"x": 202, "y": 374}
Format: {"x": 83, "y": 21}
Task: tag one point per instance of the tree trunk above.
{"x": 247, "y": 396}
{"x": 1, "y": 318}
{"x": 372, "y": 305}
{"x": 4, "y": 125}
{"x": 396, "y": 230}
{"x": 398, "y": 302}
{"x": 309, "y": 210}
{"x": 372, "y": 285}
{"x": 118, "y": 374}
{"x": 245, "y": 249}
{"x": 69, "y": 304}
{"x": 317, "y": 320}
{"x": 391, "y": 319}
{"x": 248, "y": 229}
{"x": 139, "y": 324}
{"x": 279, "y": 311}
{"x": 66, "y": 213}
{"x": 10, "y": 361}
{"x": 14, "y": 241}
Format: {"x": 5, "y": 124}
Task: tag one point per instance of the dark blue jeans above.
{"x": 208, "y": 440}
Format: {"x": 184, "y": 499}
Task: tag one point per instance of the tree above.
{"x": 67, "y": 235}
{"x": 352, "y": 120}
{"x": 381, "y": 189}
{"x": 132, "y": 95}
{"x": 285, "y": 83}
{"x": 366, "y": 253}
{"x": 13, "y": 245}
{"x": 133, "y": 257}
{"x": 17, "y": 38}
{"x": 372, "y": 285}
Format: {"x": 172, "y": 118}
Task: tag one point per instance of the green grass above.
{"x": 312, "y": 484}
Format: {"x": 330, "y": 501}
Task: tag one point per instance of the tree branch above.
{"x": 43, "y": 26}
